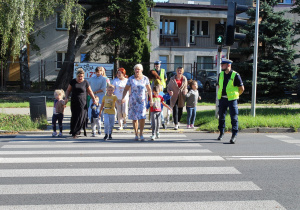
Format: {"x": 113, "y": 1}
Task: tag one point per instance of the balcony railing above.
{"x": 225, "y": 2}
{"x": 180, "y": 40}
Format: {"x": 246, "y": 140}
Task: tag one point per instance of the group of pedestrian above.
{"x": 128, "y": 98}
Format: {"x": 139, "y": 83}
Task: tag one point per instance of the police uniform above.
{"x": 162, "y": 74}
{"x": 228, "y": 95}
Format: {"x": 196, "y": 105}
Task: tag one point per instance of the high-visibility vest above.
{"x": 162, "y": 76}
{"x": 231, "y": 91}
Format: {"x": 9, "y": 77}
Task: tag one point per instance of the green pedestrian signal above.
{"x": 220, "y": 39}
{"x": 219, "y": 34}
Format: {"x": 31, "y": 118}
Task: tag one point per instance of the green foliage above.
{"x": 265, "y": 117}
{"x": 120, "y": 26}
{"x": 275, "y": 52}
{"x": 20, "y": 123}
{"x": 17, "y": 19}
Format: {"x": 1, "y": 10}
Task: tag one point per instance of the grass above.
{"x": 21, "y": 104}
{"x": 265, "y": 117}
{"x": 16, "y": 122}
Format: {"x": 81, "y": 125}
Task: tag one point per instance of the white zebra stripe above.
{"x": 117, "y": 171}
{"x": 126, "y": 187}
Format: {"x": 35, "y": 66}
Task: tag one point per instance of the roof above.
{"x": 190, "y": 6}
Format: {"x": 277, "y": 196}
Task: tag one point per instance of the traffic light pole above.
{"x": 219, "y": 56}
{"x": 254, "y": 76}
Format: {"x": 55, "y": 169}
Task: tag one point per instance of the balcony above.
{"x": 225, "y": 2}
{"x": 180, "y": 40}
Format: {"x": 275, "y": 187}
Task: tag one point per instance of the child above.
{"x": 96, "y": 121}
{"x": 191, "y": 103}
{"x": 108, "y": 103}
{"x": 58, "y": 112}
{"x": 155, "y": 111}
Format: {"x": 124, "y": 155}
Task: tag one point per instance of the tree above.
{"x": 275, "y": 52}
{"x": 17, "y": 22}
{"x": 113, "y": 23}
{"x": 139, "y": 51}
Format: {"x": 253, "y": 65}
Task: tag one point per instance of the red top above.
{"x": 156, "y": 104}
{"x": 179, "y": 82}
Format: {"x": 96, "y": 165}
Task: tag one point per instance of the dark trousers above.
{"x": 233, "y": 110}
{"x": 57, "y": 117}
{"x": 177, "y": 113}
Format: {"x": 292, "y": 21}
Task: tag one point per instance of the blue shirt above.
{"x": 98, "y": 83}
{"x": 95, "y": 110}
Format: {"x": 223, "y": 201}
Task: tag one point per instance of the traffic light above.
{"x": 232, "y": 22}
{"x": 219, "y": 34}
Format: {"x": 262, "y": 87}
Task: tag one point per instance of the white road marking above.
{"x": 126, "y": 187}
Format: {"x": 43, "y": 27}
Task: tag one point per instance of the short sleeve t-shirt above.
{"x": 119, "y": 88}
{"x": 156, "y": 103}
{"x": 109, "y": 104}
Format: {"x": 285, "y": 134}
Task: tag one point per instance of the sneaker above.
{"x": 93, "y": 134}
{"x": 60, "y": 134}
{"x": 192, "y": 126}
{"x": 142, "y": 138}
{"x": 109, "y": 137}
{"x": 99, "y": 132}
{"x": 136, "y": 138}
{"x": 125, "y": 125}
{"x": 188, "y": 126}
{"x": 157, "y": 135}
{"x": 105, "y": 137}
{"x": 164, "y": 126}
{"x": 176, "y": 127}
{"x": 168, "y": 122}
{"x": 152, "y": 137}
{"x": 54, "y": 134}
{"x": 119, "y": 128}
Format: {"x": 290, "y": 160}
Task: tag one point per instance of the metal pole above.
{"x": 219, "y": 58}
{"x": 254, "y": 76}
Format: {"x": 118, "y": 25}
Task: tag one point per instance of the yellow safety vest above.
{"x": 231, "y": 91}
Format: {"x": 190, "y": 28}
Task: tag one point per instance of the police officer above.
{"x": 230, "y": 87}
{"x": 161, "y": 72}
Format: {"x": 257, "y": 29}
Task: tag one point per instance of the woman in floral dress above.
{"x": 139, "y": 84}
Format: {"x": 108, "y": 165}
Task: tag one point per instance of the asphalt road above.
{"x": 177, "y": 171}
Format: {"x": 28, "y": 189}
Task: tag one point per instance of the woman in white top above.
{"x": 122, "y": 108}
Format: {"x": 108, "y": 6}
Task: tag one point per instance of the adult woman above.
{"x": 103, "y": 73}
{"x": 122, "y": 108}
{"x": 79, "y": 88}
{"x": 177, "y": 89}
{"x": 137, "y": 99}
{"x": 98, "y": 85}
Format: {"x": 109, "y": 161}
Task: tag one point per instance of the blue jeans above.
{"x": 233, "y": 110}
{"x": 191, "y": 115}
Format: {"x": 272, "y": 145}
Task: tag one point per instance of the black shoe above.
{"x": 221, "y": 136}
{"x": 105, "y": 137}
{"x": 233, "y": 139}
{"x": 164, "y": 126}
{"x": 109, "y": 138}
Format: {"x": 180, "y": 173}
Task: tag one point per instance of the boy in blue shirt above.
{"x": 96, "y": 121}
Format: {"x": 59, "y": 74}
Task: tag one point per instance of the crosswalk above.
{"x": 170, "y": 173}
{"x": 286, "y": 139}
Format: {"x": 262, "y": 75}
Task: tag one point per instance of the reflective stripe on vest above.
{"x": 231, "y": 91}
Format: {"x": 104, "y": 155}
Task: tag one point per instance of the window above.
{"x": 168, "y": 26}
{"x": 178, "y": 61}
{"x": 205, "y": 62}
{"x": 198, "y": 28}
{"x": 164, "y": 61}
{"x": 60, "y": 57}
{"x": 285, "y": 2}
{"x": 59, "y": 23}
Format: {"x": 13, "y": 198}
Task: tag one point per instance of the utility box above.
{"x": 38, "y": 108}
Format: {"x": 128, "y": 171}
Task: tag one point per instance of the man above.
{"x": 161, "y": 72}
{"x": 230, "y": 87}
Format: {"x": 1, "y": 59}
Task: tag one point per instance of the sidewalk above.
{"x": 170, "y": 127}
